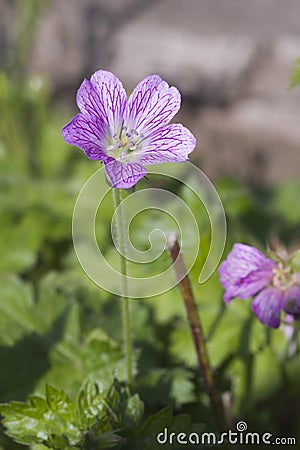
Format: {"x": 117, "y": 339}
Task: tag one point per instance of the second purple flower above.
{"x": 128, "y": 134}
{"x": 247, "y": 272}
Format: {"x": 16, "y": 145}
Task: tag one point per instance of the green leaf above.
{"x": 266, "y": 374}
{"x": 125, "y": 410}
{"x": 294, "y": 261}
{"x": 134, "y": 410}
{"x": 90, "y": 403}
{"x": 295, "y": 77}
{"x": 16, "y": 307}
{"x": 95, "y": 420}
{"x": 98, "y": 416}
{"x": 51, "y": 421}
{"x": 167, "y": 386}
{"x": 29, "y": 330}
{"x": 182, "y": 347}
{"x": 41, "y": 341}
{"x": 158, "y": 423}
{"x": 285, "y": 203}
{"x": 96, "y": 357}
{"x": 21, "y": 314}
{"x": 182, "y": 390}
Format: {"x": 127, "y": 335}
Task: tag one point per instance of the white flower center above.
{"x": 126, "y": 142}
{"x": 282, "y": 278}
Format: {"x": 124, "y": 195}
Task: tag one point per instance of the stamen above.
{"x": 282, "y": 278}
{"x": 126, "y": 141}
{"x": 133, "y": 146}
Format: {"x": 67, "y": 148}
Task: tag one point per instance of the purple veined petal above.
{"x": 87, "y": 133}
{"x": 151, "y": 105}
{"x": 245, "y": 272}
{"x": 123, "y": 174}
{"x": 267, "y": 305}
{"x": 244, "y": 260}
{"x": 103, "y": 96}
{"x": 171, "y": 143}
{"x": 291, "y": 300}
{"x": 245, "y": 289}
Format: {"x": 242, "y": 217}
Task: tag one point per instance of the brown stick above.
{"x": 196, "y": 329}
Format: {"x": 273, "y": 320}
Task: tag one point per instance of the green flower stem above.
{"x": 117, "y": 196}
{"x": 196, "y": 331}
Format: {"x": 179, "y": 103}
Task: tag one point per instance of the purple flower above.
{"x": 128, "y": 134}
{"x": 247, "y": 272}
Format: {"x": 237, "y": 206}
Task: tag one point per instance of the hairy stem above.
{"x": 117, "y": 196}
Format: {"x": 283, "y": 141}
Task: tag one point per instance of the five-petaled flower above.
{"x": 247, "y": 272}
{"x": 128, "y": 134}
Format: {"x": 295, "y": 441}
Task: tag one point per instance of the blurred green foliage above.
{"x": 58, "y": 329}
{"x": 295, "y": 78}
{"x": 60, "y": 332}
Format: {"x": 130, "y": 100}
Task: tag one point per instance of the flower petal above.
{"x": 291, "y": 301}
{"x": 171, "y": 143}
{"x": 87, "y": 133}
{"x": 122, "y": 174}
{"x": 245, "y": 272}
{"x": 104, "y": 97}
{"x": 266, "y": 306}
{"x": 151, "y": 105}
{"x": 288, "y": 328}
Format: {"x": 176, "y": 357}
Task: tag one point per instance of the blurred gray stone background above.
{"x": 231, "y": 59}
